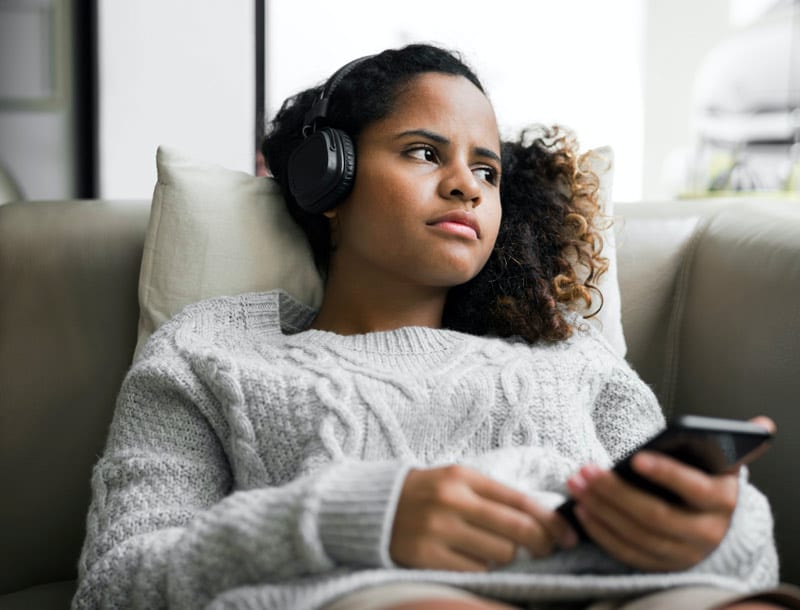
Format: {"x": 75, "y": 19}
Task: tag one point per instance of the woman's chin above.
{"x": 454, "y": 276}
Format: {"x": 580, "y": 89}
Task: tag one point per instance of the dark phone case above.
{"x": 712, "y": 445}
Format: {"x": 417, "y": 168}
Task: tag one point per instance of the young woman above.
{"x": 404, "y": 446}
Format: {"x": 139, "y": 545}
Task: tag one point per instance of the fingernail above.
{"x": 645, "y": 461}
{"x": 576, "y": 483}
{"x": 568, "y": 540}
{"x": 591, "y": 471}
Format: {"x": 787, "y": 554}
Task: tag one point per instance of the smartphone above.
{"x": 711, "y": 444}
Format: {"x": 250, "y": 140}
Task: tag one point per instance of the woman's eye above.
{"x": 487, "y": 174}
{"x": 423, "y": 153}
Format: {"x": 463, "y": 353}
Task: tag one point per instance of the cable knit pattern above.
{"x": 254, "y": 464}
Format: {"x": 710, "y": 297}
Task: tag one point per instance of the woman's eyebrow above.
{"x": 425, "y": 133}
{"x": 487, "y": 152}
{"x": 440, "y": 139}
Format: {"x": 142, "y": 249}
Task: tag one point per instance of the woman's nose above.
{"x": 460, "y": 183}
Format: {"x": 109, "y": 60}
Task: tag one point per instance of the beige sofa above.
{"x": 711, "y": 311}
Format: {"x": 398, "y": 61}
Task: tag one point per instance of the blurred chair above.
{"x": 746, "y": 121}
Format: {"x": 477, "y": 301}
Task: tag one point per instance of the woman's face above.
{"x": 425, "y": 206}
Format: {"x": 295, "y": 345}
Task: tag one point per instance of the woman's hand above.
{"x": 643, "y": 530}
{"x": 455, "y": 518}
{"x": 646, "y": 532}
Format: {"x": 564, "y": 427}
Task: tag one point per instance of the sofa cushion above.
{"x": 215, "y": 231}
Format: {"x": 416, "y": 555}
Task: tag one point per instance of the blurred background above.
{"x": 696, "y": 98}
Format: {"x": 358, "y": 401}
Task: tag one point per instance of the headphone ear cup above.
{"x": 322, "y": 170}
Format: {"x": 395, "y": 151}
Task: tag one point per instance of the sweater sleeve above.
{"x": 166, "y": 529}
{"x": 748, "y": 551}
{"x": 626, "y": 412}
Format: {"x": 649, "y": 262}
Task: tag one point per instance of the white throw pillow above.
{"x": 609, "y": 319}
{"x": 215, "y": 231}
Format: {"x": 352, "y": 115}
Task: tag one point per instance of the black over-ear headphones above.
{"x": 323, "y": 168}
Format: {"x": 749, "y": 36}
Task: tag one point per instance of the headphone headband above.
{"x": 319, "y": 109}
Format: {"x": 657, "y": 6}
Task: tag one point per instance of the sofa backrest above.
{"x": 653, "y": 240}
{"x": 711, "y": 311}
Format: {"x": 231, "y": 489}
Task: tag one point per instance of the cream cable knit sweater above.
{"x": 251, "y": 464}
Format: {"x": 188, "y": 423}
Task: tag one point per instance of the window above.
{"x": 576, "y": 62}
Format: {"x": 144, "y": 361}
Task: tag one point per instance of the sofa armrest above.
{"x": 68, "y": 315}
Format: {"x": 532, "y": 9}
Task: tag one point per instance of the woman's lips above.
{"x": 458, "y": 222}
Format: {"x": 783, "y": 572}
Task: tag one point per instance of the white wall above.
{"x": 573, "y": 62}
{"x": 175, "y": 72}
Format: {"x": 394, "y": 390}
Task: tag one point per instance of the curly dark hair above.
{"x": 548, "y": 250}
{"x": 547, "y": 254}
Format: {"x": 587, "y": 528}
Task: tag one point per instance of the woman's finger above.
{"x": 642, "y": 529}
{"x": 512, "y": 514}
{"x": 638, "y": 555}
{"x": 702, "y": 526}
{"x": 494, "y": 490}
{"x": 559, "y": 529}
{"x": 443, "y": 557}
{"x": 660, "y": 530}
{"x": 766, "y": 423}
{"x": 513, "y": 525}
{"x": 699, "y": 490}
{"x": 480, "y": 544}
{"x": 605, "y": 491}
